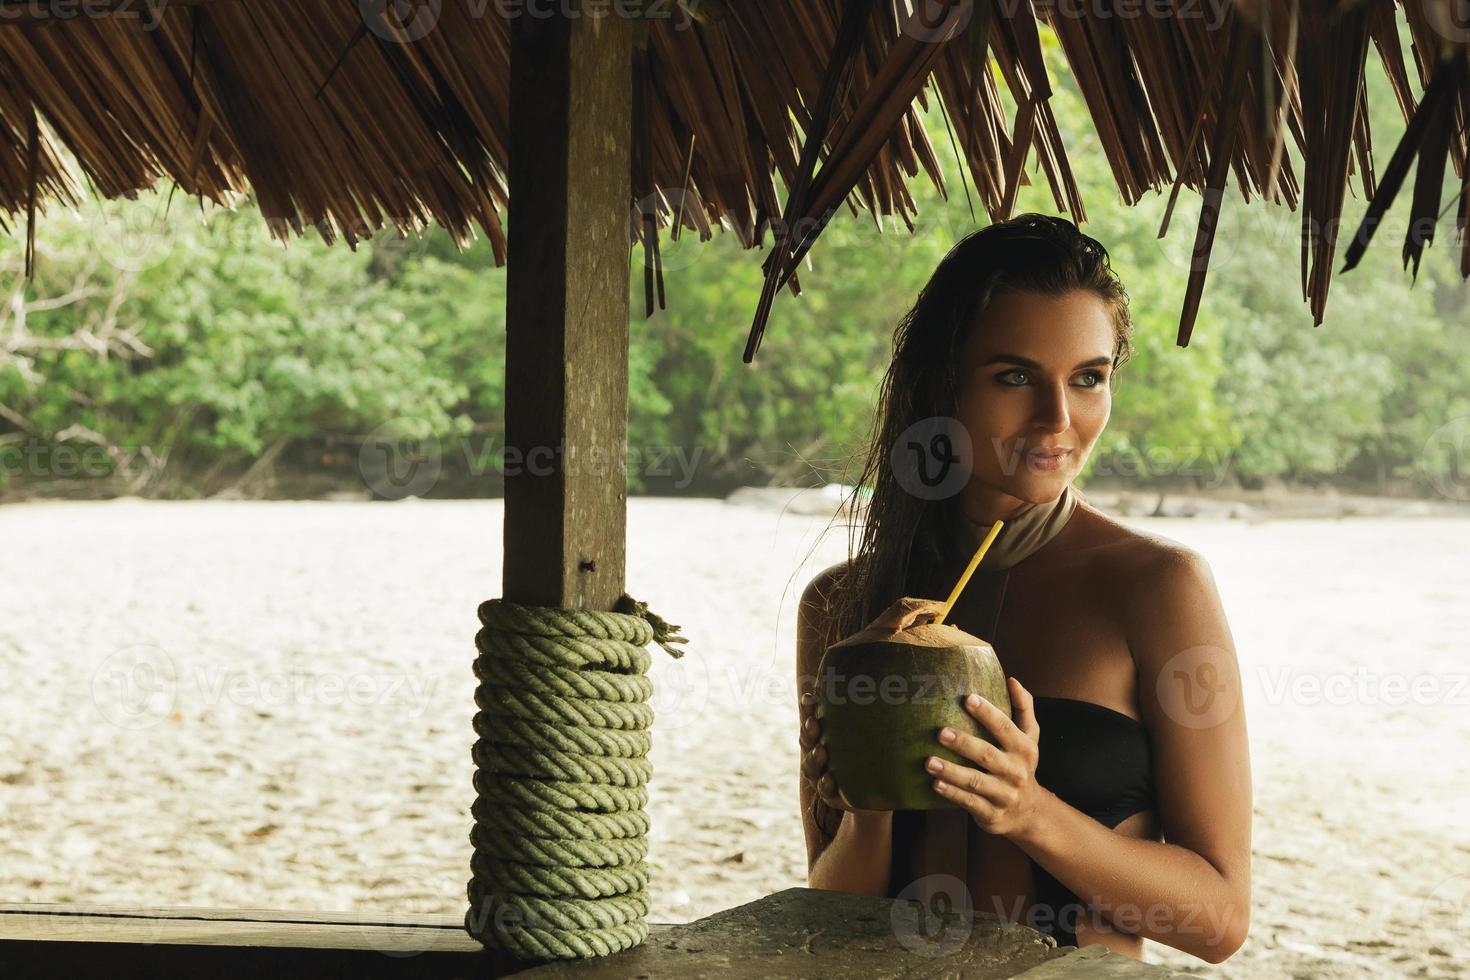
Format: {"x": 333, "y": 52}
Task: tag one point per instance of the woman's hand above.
{"x": 901, "y": 615}
{"x": 1002, "y": 794}
{"x": 814, "y": 754}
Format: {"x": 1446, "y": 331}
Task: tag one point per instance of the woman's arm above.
{"x": 853, "y": 861}
{"x": 851, "y": 855}
{"x": 1192, "y": 892}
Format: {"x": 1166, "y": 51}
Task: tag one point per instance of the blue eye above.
{"x": 1096, "y": 378}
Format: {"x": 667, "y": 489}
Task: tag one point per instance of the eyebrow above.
{"x": 1027, "y": 362}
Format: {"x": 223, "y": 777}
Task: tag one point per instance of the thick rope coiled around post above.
{"x": 561, "y": 773}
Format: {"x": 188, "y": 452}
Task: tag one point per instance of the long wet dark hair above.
{"x": 904, "y": 536}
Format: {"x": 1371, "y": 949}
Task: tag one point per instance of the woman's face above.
{"x": 1035, "y": 374}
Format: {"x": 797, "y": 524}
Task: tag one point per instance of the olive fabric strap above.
{"x": 943, "y": 880}
{"x": 1021, "y": 536}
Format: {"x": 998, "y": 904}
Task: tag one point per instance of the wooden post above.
{"x": 566, "y": 409}
{"x": 566, "y": 391}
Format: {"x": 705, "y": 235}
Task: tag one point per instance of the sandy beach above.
{"x": 307, "y": 740}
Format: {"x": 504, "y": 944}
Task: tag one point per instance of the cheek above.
{"x": 987, "y": 412}
{"x": 1091, "y": 416}
{"x": 994, "y": 423}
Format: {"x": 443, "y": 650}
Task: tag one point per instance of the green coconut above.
{"x": 883, "y": 694}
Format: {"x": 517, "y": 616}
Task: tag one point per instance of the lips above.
{"x": 1048, "y": 453}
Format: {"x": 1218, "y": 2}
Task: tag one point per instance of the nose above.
{"x": 1051, "y": 413}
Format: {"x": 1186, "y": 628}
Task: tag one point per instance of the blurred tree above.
{"x": 190, "y": 353}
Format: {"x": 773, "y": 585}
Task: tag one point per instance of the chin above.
{"x": 1040, "y": 488}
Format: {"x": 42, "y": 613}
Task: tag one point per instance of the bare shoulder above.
{"x": 1143, "y": 577}
{"x": 1164, "y": 591}
{"x": 815, "y": 615}
{"x": 1129, "y": 556}
{"x": 820, "y": 590}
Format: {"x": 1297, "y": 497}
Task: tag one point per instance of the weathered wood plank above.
{"x": 806, "y": 932}
{"x": 799, "y": 932}
{"x": 1097, "y": 961}
{"x": 122, "y": 942}
{"x": 40, "y": 909}
{"x": 390, "y": 934}
{"x": 567, "y": 307}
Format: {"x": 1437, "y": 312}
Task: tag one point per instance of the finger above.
{"x": 811, "y": 733}
{"x": 980, "y": 808}
{"x": 1024, "y": 710}
{"x": 827, "y": 790}
{"x": 814, "y": 763}
{"x": 997, "y": 721}
{"x": 981, "y": 752}
{"x": 808, "y": 705}
{"x": 993, "y": 789}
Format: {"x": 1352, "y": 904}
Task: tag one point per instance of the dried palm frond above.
{"x": 350, "y": 125}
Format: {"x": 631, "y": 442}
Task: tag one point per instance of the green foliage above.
{"x": 201, "y": 345}
{"x": 805, "y": 403}
{"x": 242, "y": 344}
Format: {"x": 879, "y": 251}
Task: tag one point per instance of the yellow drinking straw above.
{"x": 970, "y": 570}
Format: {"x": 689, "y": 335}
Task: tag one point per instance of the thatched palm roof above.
{"x": 350, "y": 117}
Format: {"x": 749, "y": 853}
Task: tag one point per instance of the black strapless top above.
{"x": 1092, "y": 757}
{"x": 1095, "y": 759}
{"x": 1099, "y": 761}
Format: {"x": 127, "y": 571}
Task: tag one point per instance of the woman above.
{"x": 1117, "y": 804}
